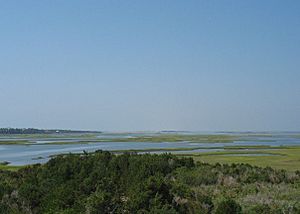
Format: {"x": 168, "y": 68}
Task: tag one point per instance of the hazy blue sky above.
{"x": 150, "y": 65}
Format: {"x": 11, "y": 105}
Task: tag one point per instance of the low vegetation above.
{"x": 9, "y": 167}
{"x": 279, "y": 157}
{"x": 80, "y": 137}
{"x": 102, "y": 182}
{"x": 198, "y": 138}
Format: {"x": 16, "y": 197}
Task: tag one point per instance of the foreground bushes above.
{"x": 228, "y": 206}
{"x": 131, "y": 183}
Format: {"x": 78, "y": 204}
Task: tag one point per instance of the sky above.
{"x": 150, "y": 65}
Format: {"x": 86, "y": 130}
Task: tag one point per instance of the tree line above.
{"x": 16, "y": 131}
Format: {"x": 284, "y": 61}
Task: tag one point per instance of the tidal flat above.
{"x": 276, "y": 149}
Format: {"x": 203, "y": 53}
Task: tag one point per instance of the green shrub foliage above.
{"x": 102, "y": 182}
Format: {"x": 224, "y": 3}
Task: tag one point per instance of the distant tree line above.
{"x": 8, "y": 131}
{"x": 11, "y": 131}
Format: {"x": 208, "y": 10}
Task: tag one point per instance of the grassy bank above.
{"x": 10, "y": 168}
{"x": 284, "y": 158}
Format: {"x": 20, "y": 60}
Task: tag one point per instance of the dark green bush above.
{"x": 228, "y": 206}
{"x": 260, "y": 209}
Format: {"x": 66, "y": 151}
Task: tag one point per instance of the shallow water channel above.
{"x": 41, "y": 151}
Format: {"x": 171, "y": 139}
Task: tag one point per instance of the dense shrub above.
{"x": 228, "y": 206}
{"x": 130, "y": 183}
{"x": 261, "y": 209}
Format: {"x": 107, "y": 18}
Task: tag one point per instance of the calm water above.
{"x": 40, "y": 152}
